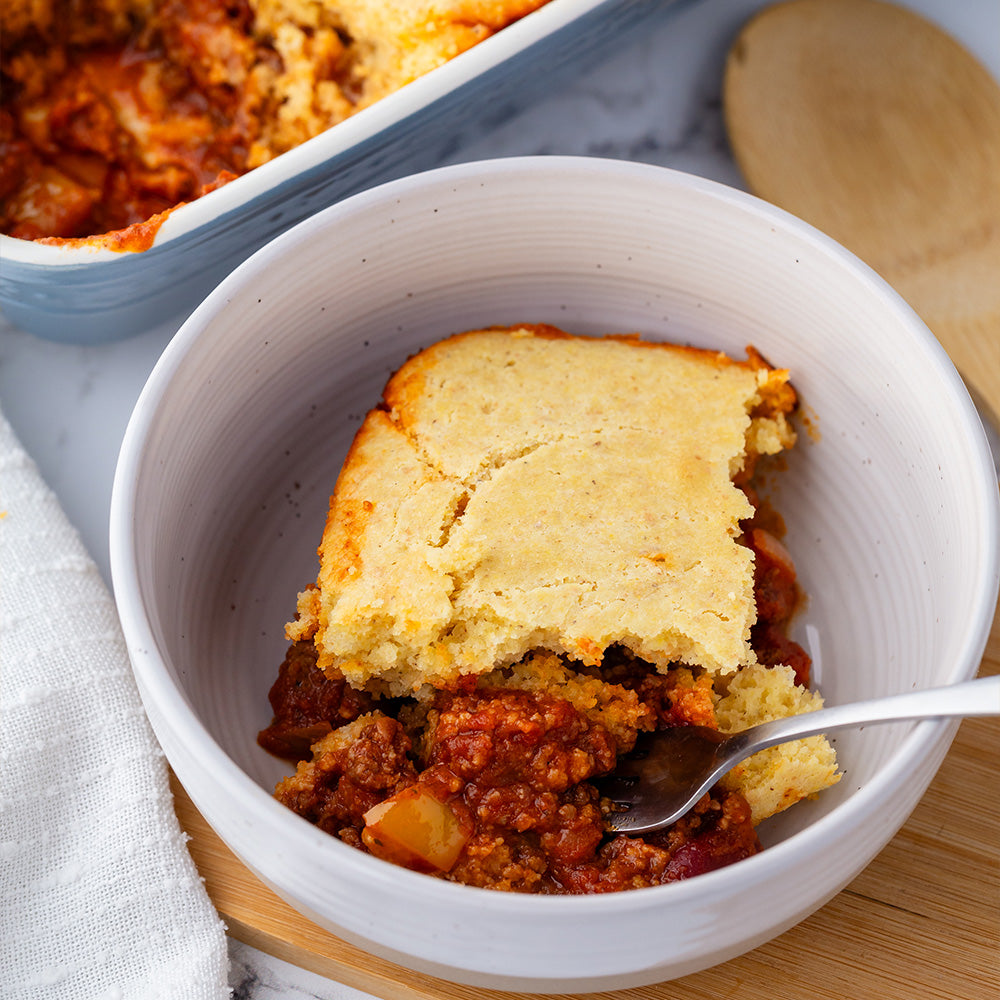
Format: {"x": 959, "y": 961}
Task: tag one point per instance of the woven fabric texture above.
{"x": 100, "y": 898}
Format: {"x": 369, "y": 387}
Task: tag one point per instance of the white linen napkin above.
{"x": 99, "y": 897}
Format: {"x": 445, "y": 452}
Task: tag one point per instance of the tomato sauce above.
{"x": 778, "y": 597}
{"x": 108, "y": 138}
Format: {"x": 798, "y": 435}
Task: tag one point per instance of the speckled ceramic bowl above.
{"x": 221, "y": 492}
{"x": 88, "y": 296}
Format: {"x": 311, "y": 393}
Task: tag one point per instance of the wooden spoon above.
{"x": 876, "y": 127}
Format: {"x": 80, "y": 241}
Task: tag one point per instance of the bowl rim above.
{"x": 532, "y": 28}
{"x": 918, "y": 745}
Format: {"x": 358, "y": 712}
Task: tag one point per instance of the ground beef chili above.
{"x": 518, "y": 761}
{"x": 514, "y": 766}
{"x": 307, "y": 705}
{"x": 340, "y": 785}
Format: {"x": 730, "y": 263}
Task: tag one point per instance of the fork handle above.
{"x": 976, "y": 697}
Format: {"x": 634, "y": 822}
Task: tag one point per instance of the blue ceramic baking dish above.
{"x": 88, "y": 295}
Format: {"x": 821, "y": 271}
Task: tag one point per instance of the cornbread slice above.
{"x": 525, "y": 489}
{"x": 774, "y": 779}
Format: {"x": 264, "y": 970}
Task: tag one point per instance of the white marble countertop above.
{"x": 659, "y": 102}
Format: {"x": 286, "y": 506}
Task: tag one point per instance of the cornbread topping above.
{"x": 539, "y": 511}
{"x": 540, "y": 545}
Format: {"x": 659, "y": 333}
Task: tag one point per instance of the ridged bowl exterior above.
{"x": 889, "y": 498}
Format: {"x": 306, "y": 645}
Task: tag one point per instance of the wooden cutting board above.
{"x": 922, "y": 922}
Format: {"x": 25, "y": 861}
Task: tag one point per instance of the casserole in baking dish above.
{"x": 92, "y": 293}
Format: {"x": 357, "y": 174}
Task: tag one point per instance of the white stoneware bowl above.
{"x": 890, "y": 501}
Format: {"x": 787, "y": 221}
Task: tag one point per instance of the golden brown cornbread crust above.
{"x": 526, "y": 489}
